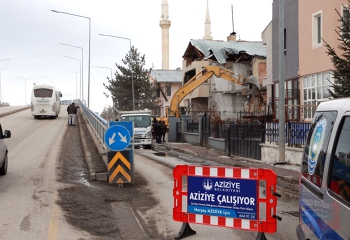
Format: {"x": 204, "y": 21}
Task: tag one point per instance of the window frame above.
{"x": 311, "y": 89}
{"x": 317, "y": 29}
{"x": 343, "y": 9}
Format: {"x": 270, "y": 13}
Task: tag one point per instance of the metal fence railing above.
{"x": 192, "y": 126}
{"x": 98, "y": 124}
{"x": 295, "y": 133}
{"x": 219, "y": 129}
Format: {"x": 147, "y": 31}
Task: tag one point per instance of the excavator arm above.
{"x": 197, "y": 80}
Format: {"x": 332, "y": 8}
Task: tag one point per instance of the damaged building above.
{"x": 229, "y": 100}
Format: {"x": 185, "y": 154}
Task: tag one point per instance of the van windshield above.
{"x": 139, "y": 120}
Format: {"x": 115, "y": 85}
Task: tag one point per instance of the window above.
{"x": 315, "y": 89}
{"x": 316, "y": 29}
{"x": 43, "y": 93}
{"x": 340, "y": 164}
{"x": 285, "y": 41}
{"x": 346, "y": 20}
{"x": 292, "y": 99}
{"x": 315, "y": 152}
{"x": 168, "y": 90}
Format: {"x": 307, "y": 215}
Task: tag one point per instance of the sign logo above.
{"x": 316, "y": 143}
{"x": 208, "y": 184}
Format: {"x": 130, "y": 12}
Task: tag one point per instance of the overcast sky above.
{"x": 30, "y": 34}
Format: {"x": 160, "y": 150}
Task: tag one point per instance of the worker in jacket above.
{"x": 72, "y": 111}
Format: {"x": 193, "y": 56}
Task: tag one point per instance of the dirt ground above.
{"x": 86, "y": 204}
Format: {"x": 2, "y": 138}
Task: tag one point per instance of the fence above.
{"x": 98, "y": 124}
{"x": 295, "y": 134}
{"x": 192, "y": 126}
{"x": 244, "y": 139}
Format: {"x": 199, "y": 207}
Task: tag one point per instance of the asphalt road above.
{"x": 47, "y": 193}
{"x": 29, "y": 191}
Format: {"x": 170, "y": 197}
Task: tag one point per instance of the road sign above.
{"x": 117, "y": 138}
{"x": 119, "y": 167}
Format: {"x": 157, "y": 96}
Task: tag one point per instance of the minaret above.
{"x": 207, "y": 25}
{"x": 165, "y": 25}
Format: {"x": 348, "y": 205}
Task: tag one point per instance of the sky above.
{"x": 30, "y": 36}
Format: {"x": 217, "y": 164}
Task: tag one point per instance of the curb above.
{"x": 287, "y": 178}
{"x": 87, "y": 154}
{"x": 88, "y": 159}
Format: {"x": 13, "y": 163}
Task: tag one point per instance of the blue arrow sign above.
{"x": 117, "y": 138}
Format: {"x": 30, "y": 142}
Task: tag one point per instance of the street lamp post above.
{"x": 82, "y": 70}
{"x": 48, "y": 78}
{"x": 89, "y": 49}
{"x": 76, "y": 85}
{"x": 132, "y": 72}
{"x": 25, "y": 89}
{"x": 3, "y": 93}
{"x": 104, "y": 67}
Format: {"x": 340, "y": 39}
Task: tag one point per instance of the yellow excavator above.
{"x": 197, "y": 80}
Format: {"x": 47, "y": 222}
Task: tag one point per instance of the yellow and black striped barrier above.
{"x": 119, "y": 167}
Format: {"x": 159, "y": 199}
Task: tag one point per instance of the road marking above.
{"x": 53, "y": 225}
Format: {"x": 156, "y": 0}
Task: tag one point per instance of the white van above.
{"x": 324, "y": 205}
{"x": 45, "y": 101}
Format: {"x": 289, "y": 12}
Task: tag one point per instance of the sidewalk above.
{"x": 288, "y": 176}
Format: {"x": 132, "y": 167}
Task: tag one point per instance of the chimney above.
{"x": 232, "y": 37}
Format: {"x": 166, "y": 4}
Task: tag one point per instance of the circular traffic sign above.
{"x": 117, "y": 138}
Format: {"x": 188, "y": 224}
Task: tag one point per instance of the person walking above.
{"x": 157, "y": 131}
{"x": 72, "y": 111}
{"x": 163, "y": 129}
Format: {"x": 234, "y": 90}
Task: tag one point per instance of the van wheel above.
{"x": 3, "y": 169}
{"x": 36, "y": 117}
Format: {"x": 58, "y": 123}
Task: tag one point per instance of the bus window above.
{"x": 340, "y": 164}
{"x": 43, "y": 93}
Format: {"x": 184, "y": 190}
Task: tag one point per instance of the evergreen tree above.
{"x": 341, "y": 62}
{"x": 120, "y": 88}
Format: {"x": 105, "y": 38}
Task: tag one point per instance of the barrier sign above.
{"x": 234, "y": 198}
{"x": 226, "y": 197}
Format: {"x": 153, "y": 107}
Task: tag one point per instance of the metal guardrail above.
{"x": 98, "y": 124}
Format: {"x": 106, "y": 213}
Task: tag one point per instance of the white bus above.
{"x": 46, "y": 101}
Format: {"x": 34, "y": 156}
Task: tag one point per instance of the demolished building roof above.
{"x": 167, "y": 76}
{"x": 221, "y": 51}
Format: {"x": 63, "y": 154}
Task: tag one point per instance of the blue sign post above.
{"x": 119, "y": 139}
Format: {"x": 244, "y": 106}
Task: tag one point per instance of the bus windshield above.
{"x": 43, "y": 93}
{"x": 139, "y": 120}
